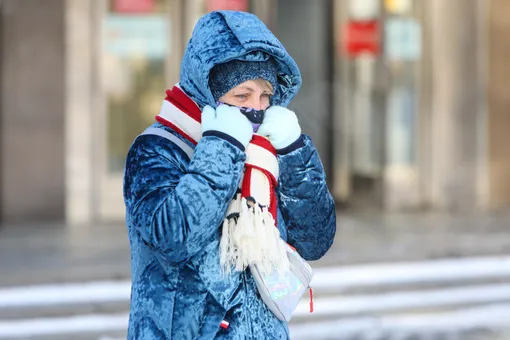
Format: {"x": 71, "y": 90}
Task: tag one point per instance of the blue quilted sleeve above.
{"x": 177, "y": 207}
{"x": 305, "y": 201}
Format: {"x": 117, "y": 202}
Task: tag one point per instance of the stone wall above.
{"x": 32, "y": 183}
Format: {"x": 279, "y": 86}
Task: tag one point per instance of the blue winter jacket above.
{"x": 175, "y": 205}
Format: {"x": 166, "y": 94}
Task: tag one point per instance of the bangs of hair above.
{"x": 264, "y": 84}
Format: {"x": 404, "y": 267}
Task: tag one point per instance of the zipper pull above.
{"x": 311, "y": 300}
{"x": 224, "y": 324}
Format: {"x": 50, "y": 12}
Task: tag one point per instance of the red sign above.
{"x": 134, "y": 6}
{"x": 233, "y": 5}
{"x": 362, "y": 37}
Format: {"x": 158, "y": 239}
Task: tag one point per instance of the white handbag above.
{"x": 282, "y": 293}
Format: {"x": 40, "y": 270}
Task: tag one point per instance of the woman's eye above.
{"x": 241, "y": 96}
{"x": 266, "y": 98}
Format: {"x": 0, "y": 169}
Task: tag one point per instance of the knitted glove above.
{"x": 281, "y": 126}
{"x": 228, "y": 123}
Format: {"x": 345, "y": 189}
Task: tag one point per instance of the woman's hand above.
{"x": 229, "y": 121}
{"x": 281, "y": 126}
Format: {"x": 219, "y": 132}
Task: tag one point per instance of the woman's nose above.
{"x": 256, "y": 104}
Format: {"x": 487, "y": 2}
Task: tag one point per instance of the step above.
{"x": 50, "y": 311}
{"x": 340, "y": 279}
{"x": 459, "y": 324}
{"x": 484, "y": 322}
{"x": 78, "y": 325}
{"x": 408, "y": 301}
{"x": 64, "y": 299}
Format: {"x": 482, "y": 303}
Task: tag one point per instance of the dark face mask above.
{"x": 254, "y": 116}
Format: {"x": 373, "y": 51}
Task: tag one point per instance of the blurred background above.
{"x": 408, "y": 102}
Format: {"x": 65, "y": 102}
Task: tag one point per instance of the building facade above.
{"x": 405, "y": 99}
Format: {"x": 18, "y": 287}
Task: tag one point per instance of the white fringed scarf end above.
{"x": 251, "y": 237}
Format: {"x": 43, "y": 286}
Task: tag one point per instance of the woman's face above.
{"x": 255, "y": 94}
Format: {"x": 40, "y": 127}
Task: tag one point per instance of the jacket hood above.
{"x": 222, "y": 36}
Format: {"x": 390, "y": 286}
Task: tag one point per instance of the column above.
{"x": 498, "y": 120}
{"x": 79, "y": 112}
{"x": 457, "y": 103}
{"x": 32, "y": 110}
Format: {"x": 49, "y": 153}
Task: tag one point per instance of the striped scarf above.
{"x": 249, "y": 233}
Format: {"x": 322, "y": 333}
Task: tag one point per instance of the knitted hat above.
{"x": 224, "y": 77}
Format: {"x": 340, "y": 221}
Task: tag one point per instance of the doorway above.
{"x": 376, "y": 143}
{"x": 133, "y": 68}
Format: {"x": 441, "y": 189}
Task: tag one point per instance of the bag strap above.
{"x": 188, "y": 150}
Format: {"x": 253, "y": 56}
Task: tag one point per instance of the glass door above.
{"x": 377, "y": 71}
{"x": 360, "y": 104}
{"x": 132, "y": 62}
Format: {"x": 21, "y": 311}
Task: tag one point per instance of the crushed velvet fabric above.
{"x": 175, "y": 206}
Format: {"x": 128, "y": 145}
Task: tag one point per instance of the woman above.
{"x": 186, "y": 200}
